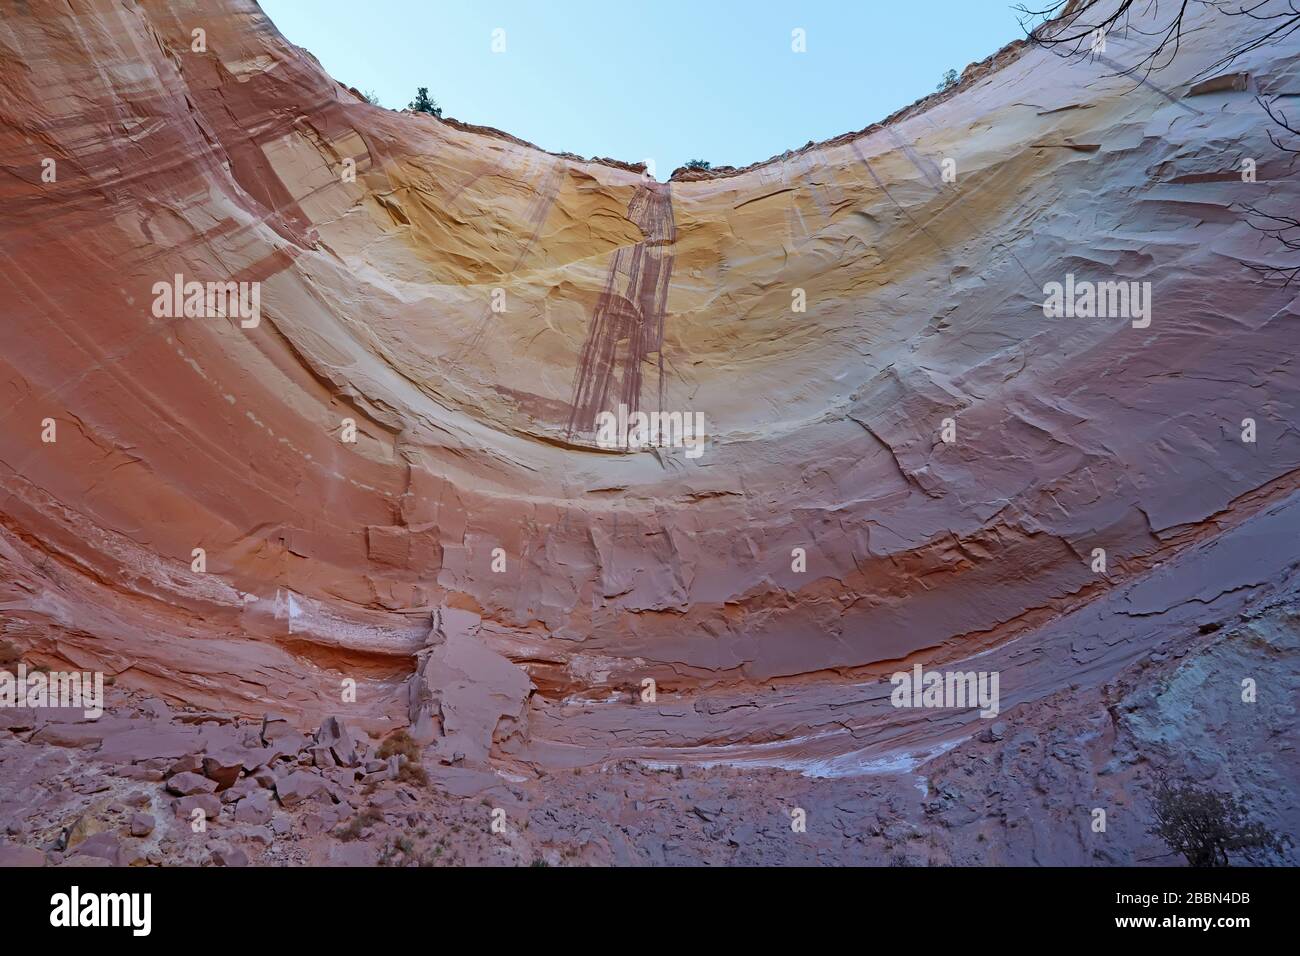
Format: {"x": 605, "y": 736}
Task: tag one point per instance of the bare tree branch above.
{"x": 1284, "y": 229}
{"x": 1283, "y": 20}
{"x": 1069, "y": 26}
{"x": 1277, "y": 116}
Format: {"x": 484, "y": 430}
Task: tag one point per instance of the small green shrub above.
{"x": 411, "y": 771}
{"x": 1205, "y": 826}
{"x": 423, "y": 104}
{"x": 358, "y": 823}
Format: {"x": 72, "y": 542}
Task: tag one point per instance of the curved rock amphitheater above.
{"x": 389, "y": 478}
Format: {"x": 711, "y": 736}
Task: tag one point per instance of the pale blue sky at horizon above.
{"x": 670, "y": 82}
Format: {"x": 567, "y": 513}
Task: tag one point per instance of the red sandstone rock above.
{"x": 224, "y": 768}
{"x": 14, "y": 854}
{"x": 255, "y": 809}
{"x": 618, "y": 567}
{"x": 229, "y": 856}
{"x": 188, "y": 784}
{"x": 489, "y": 577}
{"x": 209, "y": 804}
{"x": 298, "y": 786}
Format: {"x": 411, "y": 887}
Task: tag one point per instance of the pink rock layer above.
{"x": 475, "y": 563}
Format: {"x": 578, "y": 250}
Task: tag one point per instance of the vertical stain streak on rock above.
{"x": 1145, "y": 81}
{"x": 857, "y": 151}
{"x": 926, "y": 170}
{"x": 541, "y": 209}
{"x": 538, "y": 211}
{"x": 627, "y": 324}
{"x": 184, "y": 431}
{"x": 936, "y": 183}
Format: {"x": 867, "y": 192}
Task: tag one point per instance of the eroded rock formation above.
{"x": 391, "y": 471}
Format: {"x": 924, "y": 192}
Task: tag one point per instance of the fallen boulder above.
{"x": 298, "y": 786}
{"x": 187, "y": 784}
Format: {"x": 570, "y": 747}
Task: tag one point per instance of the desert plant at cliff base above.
{"x": 399, "y": 742}
{"x": 1205, "y": 826}
{"x": 413, "y": 773}
{"x": 411, "y": 770}
{"x": 352, "y": 831}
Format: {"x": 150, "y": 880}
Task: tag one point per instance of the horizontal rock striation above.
{"x": 381, "y": 472}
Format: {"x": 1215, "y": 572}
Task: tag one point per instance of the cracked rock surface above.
{"x": 476, "y": 570}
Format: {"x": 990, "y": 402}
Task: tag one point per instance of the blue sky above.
{"x": 670, "y": 81}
